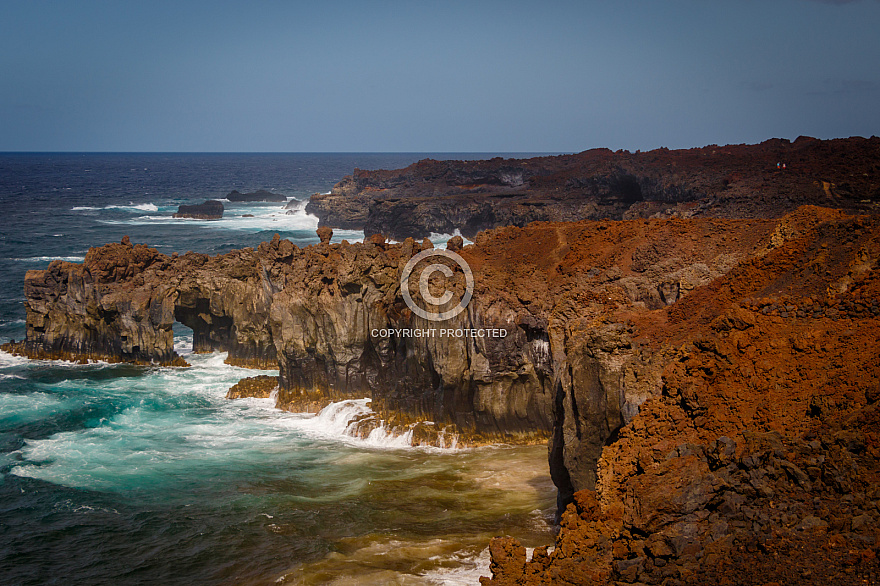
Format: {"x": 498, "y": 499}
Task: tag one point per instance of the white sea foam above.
{"x": 441, "y": 239}
{"x": 276, "y": 218}
{"x": 467, "y": 570}
{"x": 183, "y": 344}
{"x": 336, "y": 421}
{"x": 8, "y": 360}
{"x": 50, "y": 258}
{"x": 182, "y": 426}
{"x": 142, "y": 207}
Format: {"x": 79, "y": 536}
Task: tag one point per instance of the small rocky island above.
{"x": 210, "y": 210}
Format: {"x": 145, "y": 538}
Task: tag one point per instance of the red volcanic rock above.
{"x": 377, "y": 239}
{"x": 761, "y": 444}
{"x": 325, "y": 234}
{"x": 455, "y": 244}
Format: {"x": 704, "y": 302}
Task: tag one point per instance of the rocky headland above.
{"x": 733, "y": 181}
{"x": 210, "y": 210}
{"x": 709, "y": 386}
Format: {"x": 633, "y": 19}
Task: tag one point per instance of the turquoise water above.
{"x": 114, "y": 474}
{"x": 150, "y": 474}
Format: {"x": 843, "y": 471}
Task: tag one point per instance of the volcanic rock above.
{"x": 260, "y": 195}
{"x": 325, "y": 234}
{"x": 210, "y": 210}
{"x": 714, "y": 181}
{"x": 261, "y": 387}
{"x": 761, "y": 444}
{"x": 697, "y": 435}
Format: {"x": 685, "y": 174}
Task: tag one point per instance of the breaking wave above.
{"x": 139, "y": 207}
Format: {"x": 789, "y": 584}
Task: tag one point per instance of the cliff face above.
{"x": 756, "y": 461}
{"x": 729, "y": 181}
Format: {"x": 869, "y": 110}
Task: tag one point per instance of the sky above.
{"x": 423, "y": 76}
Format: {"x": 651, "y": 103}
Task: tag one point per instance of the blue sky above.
{"x": 433, "y": 76}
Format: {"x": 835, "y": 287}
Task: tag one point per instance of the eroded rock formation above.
{"x": 714, "y": 181}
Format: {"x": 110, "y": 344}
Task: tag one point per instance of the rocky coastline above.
{"x": 732, "y": 181}
{"x": 708, "y": 386}
{"x": 756, "y": 459}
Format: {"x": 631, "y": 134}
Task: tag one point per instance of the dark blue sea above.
{"x": 115, "y": 474}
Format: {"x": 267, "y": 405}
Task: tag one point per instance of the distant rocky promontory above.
{"x": 735, "y": 181}
{"x": 259, "y": 195}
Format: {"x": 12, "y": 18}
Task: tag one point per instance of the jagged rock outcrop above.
{"x": 714, "y": 181}
{"x": 564, "y": 362}
{"x": 325, "y": 234}
{"x": 259, "y": 195}
{"x": 122, "y": 301}
{"x": 210, "y": 210}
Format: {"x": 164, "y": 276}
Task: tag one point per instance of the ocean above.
{"x": 116, "y": 474}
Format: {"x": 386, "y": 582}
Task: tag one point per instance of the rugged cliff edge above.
{"x": 714, "y": 181}
{"x": 314, "y": 313}
{"x": 757, "y": 460}
{"x": 714, "y": 381}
